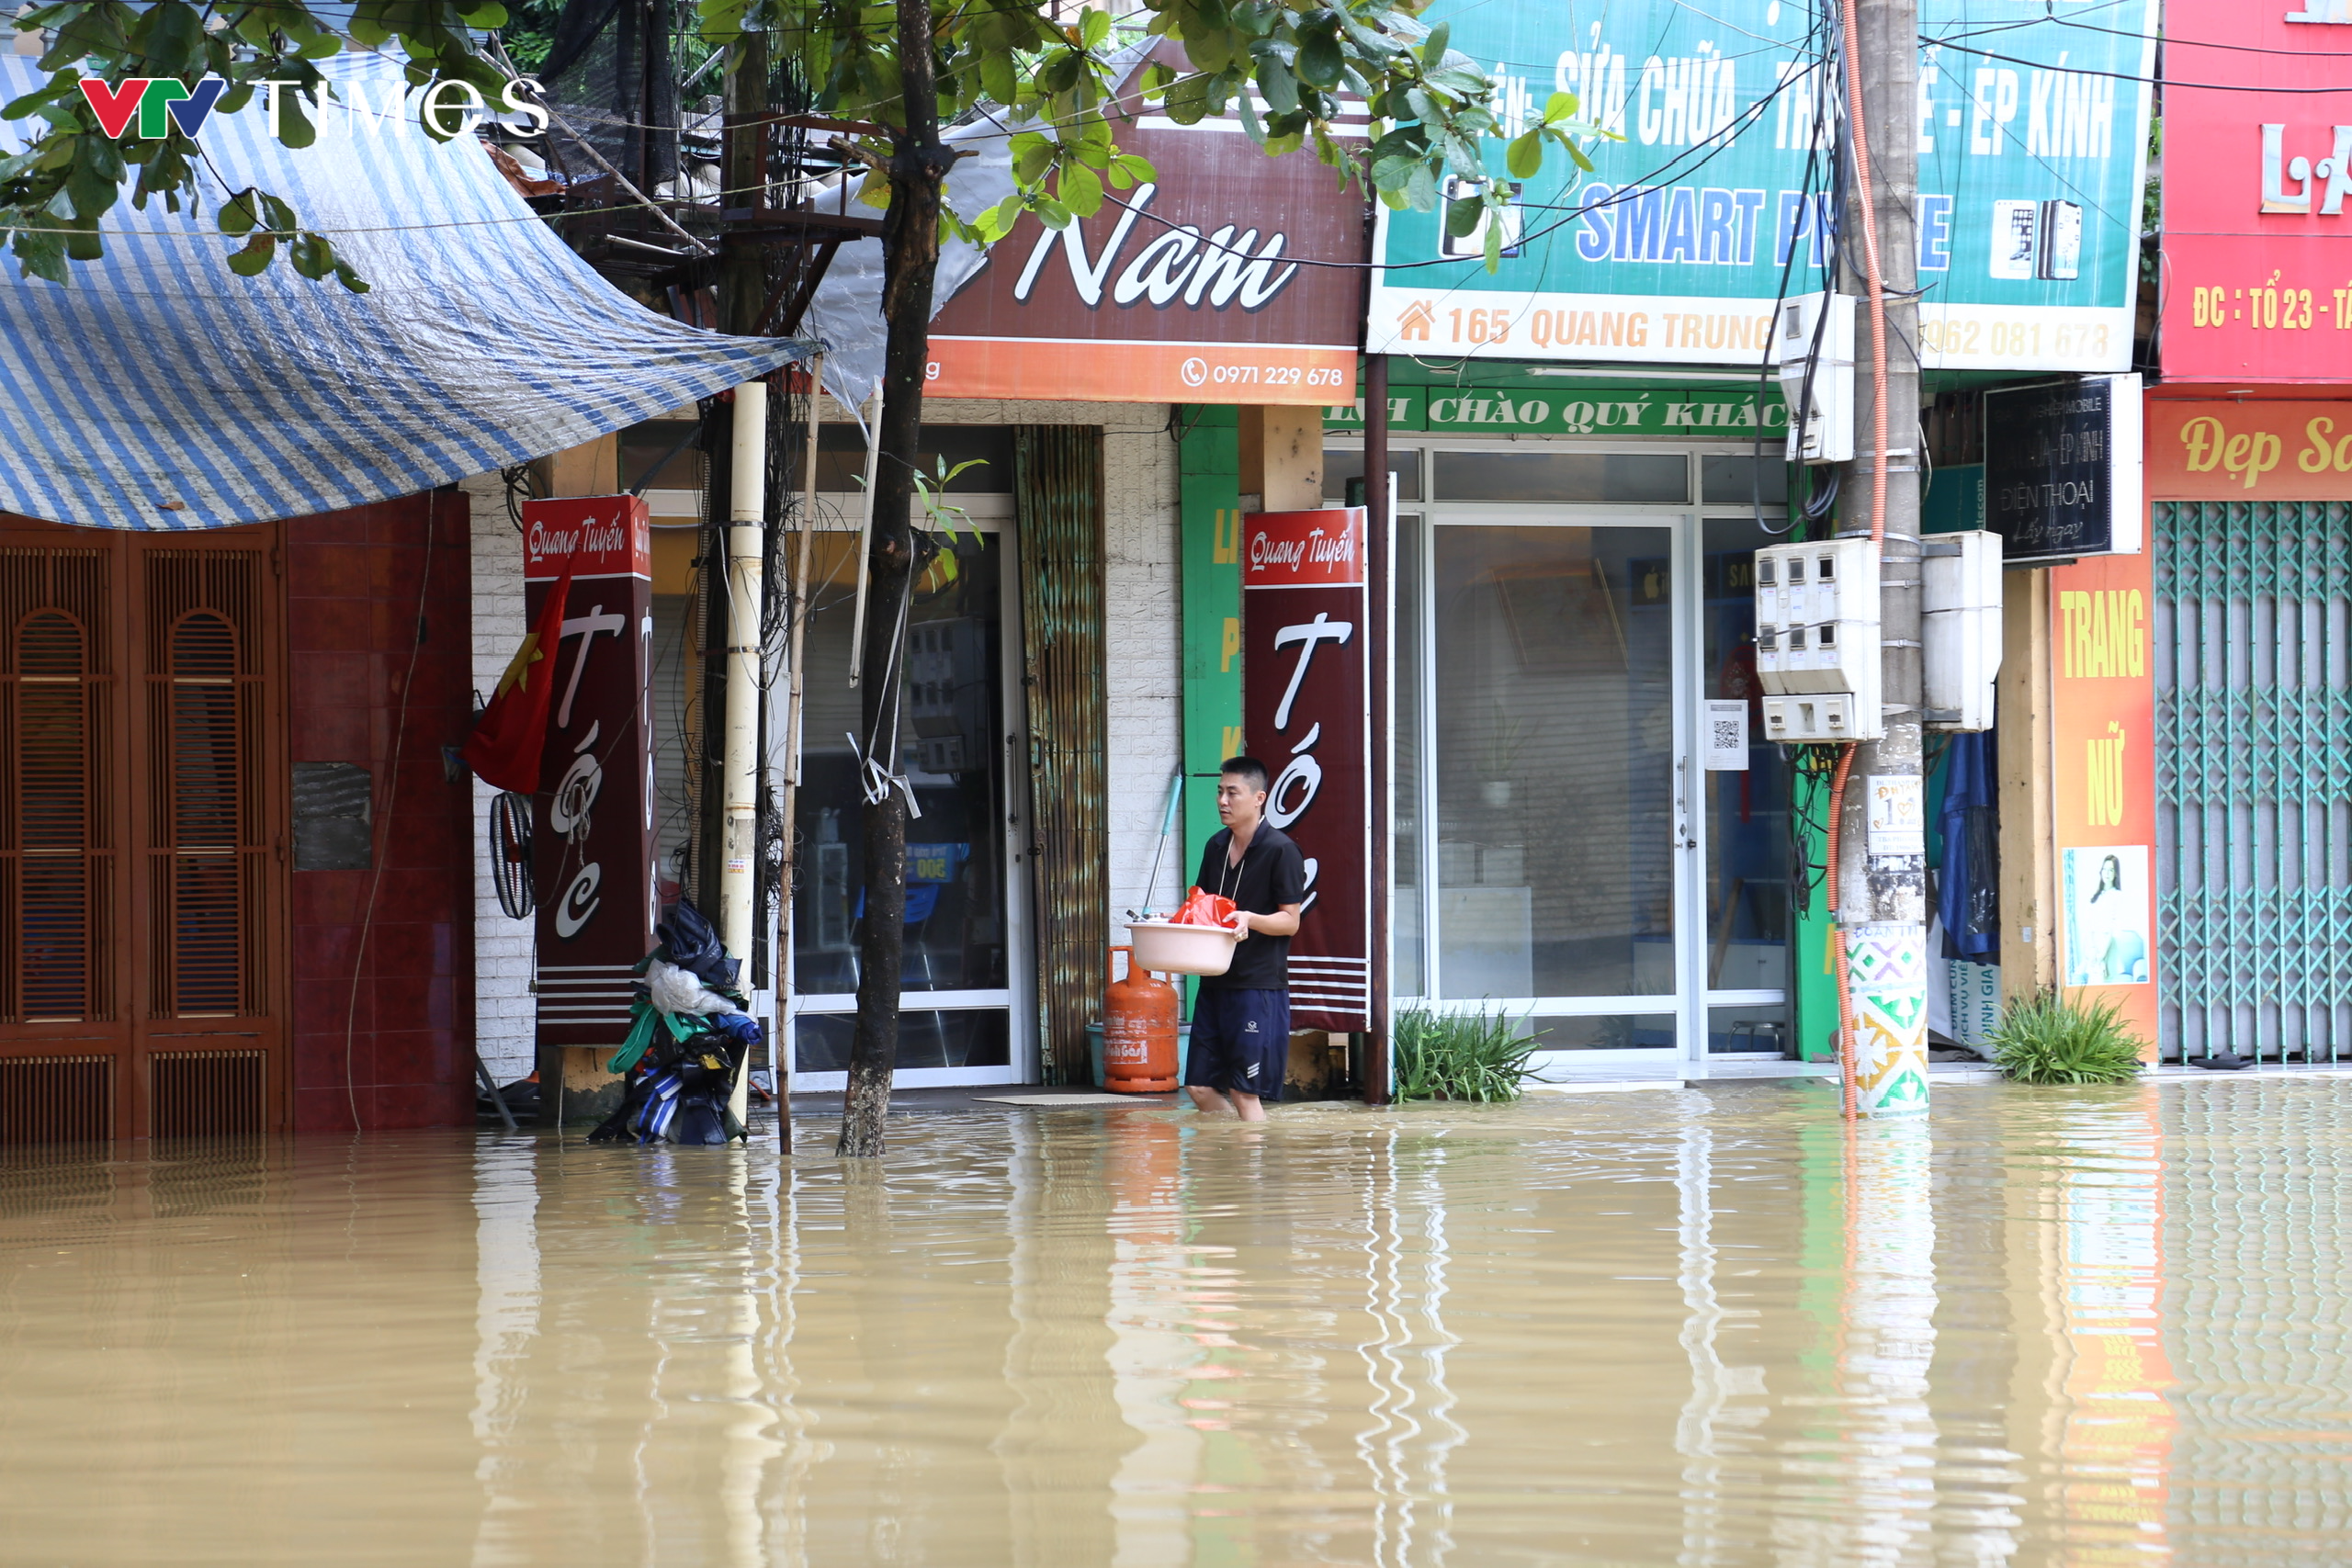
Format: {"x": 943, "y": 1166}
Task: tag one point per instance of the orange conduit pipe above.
{"x": 1837, "y": 936}
{"x": 1870, "y": 272}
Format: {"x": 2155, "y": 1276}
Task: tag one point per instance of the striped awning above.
{"x": 159, "y": 390}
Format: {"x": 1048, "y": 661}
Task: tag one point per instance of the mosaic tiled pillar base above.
{"x": 1889, "y": 968}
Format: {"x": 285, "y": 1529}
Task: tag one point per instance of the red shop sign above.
{"x": 1306, "y": 684}
{"x": 2257, "y": 227}
{"x": 592, "y": 842}
{"x": 601, "y": 536}
{"x": 1203, "y": 285}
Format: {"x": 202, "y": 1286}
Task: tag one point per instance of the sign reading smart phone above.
{"x": 1306, "y": 694}
{"x": 2062, "y": 468}
{"x": 1671, "y": 250}
{"x": 2258, "y": 160}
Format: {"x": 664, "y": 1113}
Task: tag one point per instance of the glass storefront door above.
{"x": 965, "y": 953}
{"x": 1559, "y": 813}
{"x": 1571, "y": 851}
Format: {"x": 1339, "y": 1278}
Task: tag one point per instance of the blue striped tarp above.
{"x": 161, "y": 390}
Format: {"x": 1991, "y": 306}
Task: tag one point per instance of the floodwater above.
{"x": 2074, "y": 1326}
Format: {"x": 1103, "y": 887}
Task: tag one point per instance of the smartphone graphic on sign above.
{"x": 2038, "y": 239}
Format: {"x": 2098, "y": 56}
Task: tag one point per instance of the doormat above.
{"x": 1051, "y": 1099}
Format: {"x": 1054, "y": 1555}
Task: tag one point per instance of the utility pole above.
{"x": 1882, "y": 869}
{"x": 734, "y": 553}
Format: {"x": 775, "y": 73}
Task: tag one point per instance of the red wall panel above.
{"x": 380, "y": 608}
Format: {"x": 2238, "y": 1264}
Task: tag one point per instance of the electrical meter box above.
{"x": 1817, "y": 640}
{"x": 1960, "y": 584}
{"x": 1825, "y": 715}
{"x": 1814, "y": 354}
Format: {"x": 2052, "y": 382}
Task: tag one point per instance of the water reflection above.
{"x": 2079, "y": 1328}
{"x": 1412, "y": 1431}
{"x": 2115, "y": 1424}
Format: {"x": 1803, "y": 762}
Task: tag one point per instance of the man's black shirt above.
{"x": 1271, "y": 874}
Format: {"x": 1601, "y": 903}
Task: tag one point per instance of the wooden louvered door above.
{"x": 64, "y": 1025}
{"x": 142, "y": 901}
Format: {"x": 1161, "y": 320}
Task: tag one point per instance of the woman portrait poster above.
{"x": 2107, "y": 915}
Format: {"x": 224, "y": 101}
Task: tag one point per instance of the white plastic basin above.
{"x": 1181, "y": 950}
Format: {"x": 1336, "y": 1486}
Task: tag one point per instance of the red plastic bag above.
{"x": 1201, "y": 908}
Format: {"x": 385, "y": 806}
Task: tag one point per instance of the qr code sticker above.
{"x": 1727, "y": 735}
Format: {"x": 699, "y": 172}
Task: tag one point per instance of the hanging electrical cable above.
{"x": 1765, "y": 366}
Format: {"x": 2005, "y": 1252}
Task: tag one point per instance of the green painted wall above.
{"x": 1813, "y": 1017}
{"x": 1209, "y": 479}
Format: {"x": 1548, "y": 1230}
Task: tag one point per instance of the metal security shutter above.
{"x": 2254, "y": 721}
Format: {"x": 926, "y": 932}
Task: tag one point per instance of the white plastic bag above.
{"x": 674, "y": 990}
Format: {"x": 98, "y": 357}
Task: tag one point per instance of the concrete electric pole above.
{"x": 1882, "y": 866}
{"x": 734, "y": 554}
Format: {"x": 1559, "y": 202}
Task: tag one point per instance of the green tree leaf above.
{"x": 254, "y": 257}
{"x": 1081, "y": 191}
{"x": 1320, "y": 63}
{"x": 1524, "y": 156}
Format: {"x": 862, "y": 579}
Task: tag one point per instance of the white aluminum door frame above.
{"x": 990, "y": 514}
{"x": 1685, "y": 1004}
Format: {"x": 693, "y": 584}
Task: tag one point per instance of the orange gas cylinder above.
{"x": 1138, "y": 1031}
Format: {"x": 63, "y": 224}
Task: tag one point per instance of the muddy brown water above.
{"x": 2086, "y": 1327}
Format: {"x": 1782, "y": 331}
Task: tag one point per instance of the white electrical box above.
{"x": 1826, "y": 715}
{"x": 1815, "y": 356}
{"x": 1960, "y": 582}
{"x": 1817, "y": 638}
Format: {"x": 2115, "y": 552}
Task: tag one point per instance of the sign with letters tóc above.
{"x": 1305, "y": 685}
{"x": 592, "y": 841}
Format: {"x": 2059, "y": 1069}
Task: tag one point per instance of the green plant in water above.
{"x": 2049, "y": 1040}
{"x": 1471, "y": 1056}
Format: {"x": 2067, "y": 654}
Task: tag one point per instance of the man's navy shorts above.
{"x": 1240, "y": 1040}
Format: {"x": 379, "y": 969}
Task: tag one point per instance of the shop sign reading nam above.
{"x": 1213, "y": 283}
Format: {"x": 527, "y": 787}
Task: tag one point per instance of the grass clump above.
{"x": 1470, "y": 1056}
{"x": 2049, "y": 1040}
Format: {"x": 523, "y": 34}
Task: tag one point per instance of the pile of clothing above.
{"x": 689, "y": 1041}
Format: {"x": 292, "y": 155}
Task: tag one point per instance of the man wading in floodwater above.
{"x": 1241, "y": 1018}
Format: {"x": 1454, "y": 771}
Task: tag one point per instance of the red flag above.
{"x": 509, "y": 739}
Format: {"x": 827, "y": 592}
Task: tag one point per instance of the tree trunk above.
{"x": 918, "y": 172}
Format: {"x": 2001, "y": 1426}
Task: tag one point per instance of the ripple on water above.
{"x": 2081, "y": 1326}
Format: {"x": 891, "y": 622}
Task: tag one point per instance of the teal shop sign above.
{"x": 2032, "y": 129}
{"x": 1606, "y": 411}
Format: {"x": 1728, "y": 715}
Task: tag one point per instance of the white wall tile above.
{"x": 505, "y": 1016}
